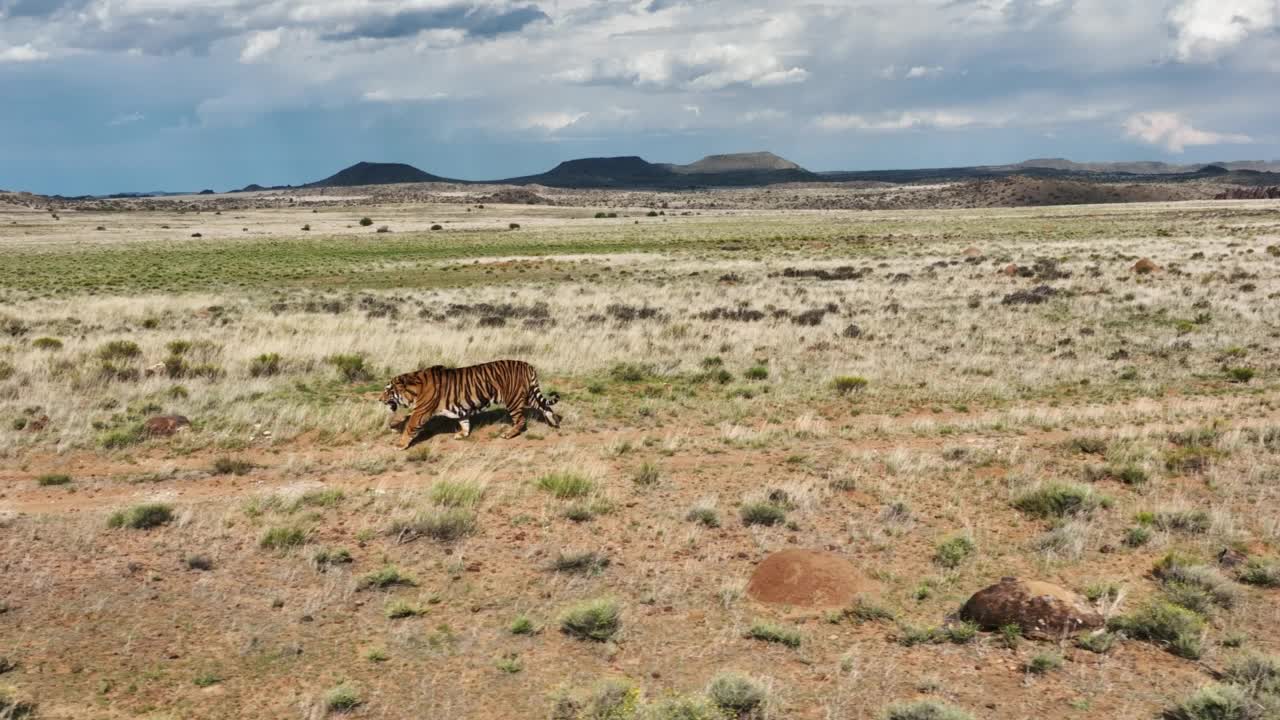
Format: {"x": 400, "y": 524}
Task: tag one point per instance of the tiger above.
{"x": 460, "y": 393}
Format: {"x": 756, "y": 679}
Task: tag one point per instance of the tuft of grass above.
{"x": 762, "y": 513}
{"x": 387, "y": 577}
{"x": 198, "y": 562}
{"x": 265, "y": 365}
{"x": 420, "y": 454}
{"x": 227, "y": 465}
{"x": 141, "y": 517}
{"x": 1188, "y": 521}
{"x": 1044, "y": 662}
{"x": 756, "y": 372}
{"x": 683, "y": 708}
{"x": 1137, "y": 536}
{"x": 324, "y": 557}
{"x": 457, "y": 493}
{"x": 1194, "y": 586}
{"x": 566, "y": 485}
{"x": 444, "y": 524}
{"x": 705, "y": 516}
{"x": 925, "y": 710}
{"x": 376, "y": 655}
{"x": 1176, "y": 628}
{"x": 774, "y": 633}
{"x": 580, "y": 563}
{"x": 53, "y": 480}
{"x": 846, "y": 384}
{"x": 647, "y": 475}
{"x": 282, "y": 538}
{"x": 910, "y": 635}
{"x": 522, "y": 625}
{"x": 950, "y": 553}
{"x": 398, "y": 609}
{"x": 864, "y": 610}
{"x": 317, "y": 498}
{"x": 511, "y": 663}
{"x": 1263, "y": 573}
{"x": 350, "y": 367}
{"x": 961, "y": 633}
{"x": 737, "y": 695}
{"x": 1216, "y": 702}
{"x": 1240, "y": 374}
{"x": 1099, "y": 641}
{"x": 1058, "y": 500}
{"x": 342, "y": 699}
{"x": 206, "y": 679}
{"x": 46, "y": 343}
{"x": 598, "y": 619}
{"x": 1010, "y": 635}
{"x": 1088, "y": 444}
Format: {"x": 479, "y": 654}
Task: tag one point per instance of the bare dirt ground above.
{"x": 890, "y": 387}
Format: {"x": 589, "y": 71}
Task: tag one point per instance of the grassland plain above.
{"x": 894, "y": 386}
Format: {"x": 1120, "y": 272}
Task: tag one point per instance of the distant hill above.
{"x": 758, "y": 168}
{"x": 369, "y": 173}
{"x": 1146, "y": 167}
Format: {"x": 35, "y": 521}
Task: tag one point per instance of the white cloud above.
{"x": 939, "y": 119}
{"x": 920, "y": 71}
{"x": 708, "y": 67}
{"x": 764, "y": 115}
{"x": 1171, "y": 131}
{"x": 22, "y": 53}
{"x": 1207, "y": 28}
{"x": 551, "y": 121}
{"x": 127, "y": 119}
{"x": 260, "y": 44}
{"x": 403, "y": 96}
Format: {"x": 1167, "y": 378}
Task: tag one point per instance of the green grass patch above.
{"x": 597, "y": 620}
{"x": 52, "y": 480}
{"x": 774, "y": 633}
{"x": 141, "y": 517}
{"x": 566, "y": 485}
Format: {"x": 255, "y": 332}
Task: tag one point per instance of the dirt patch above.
{"x": 808, "y": 578}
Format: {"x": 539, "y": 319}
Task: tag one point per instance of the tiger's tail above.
{"x": 535, "y": 392}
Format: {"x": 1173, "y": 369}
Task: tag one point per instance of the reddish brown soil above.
{"x": 808, "y": 578}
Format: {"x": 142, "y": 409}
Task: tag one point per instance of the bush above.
{"x": 1240, "y": 374}
{"x": 1215, "y": 702}
{"x": 227, "y": 465}
{"x": 121, "y": 437}
{"x": 1044, "y": 662}
{"x": 565, "y": 485}
{"x": 265, "y": 365}
{"x": 46, "y": 343}
{"x": 522, "y": 625}
{"x": 457, "y": 494}
{"x": 737, "y": 695}
{"x": 762, "y": 513}
{"x": 1262, "y": 573}
{"x": 282, "y": 538}
{"x": 1173, "y": 626}
{"x": 630, "y": 372}
{"x": 1058, "y": 500}
{"x": 581, "y": 563}
{"x": 1190, "y": 521}
{"x": 513, "y": 226}
{"x": 1137, "y": 536}
{"x": 366, "y": 222}
{"x": 846, "y": 384}
{"x": 1258, "y": 673}
{"x": 53, "y": 479}
{"x": 1195, "y": 587}
{"x": 343, "y": 698}
{"x": 350, "y": 367}
{"x": 387, "y": 577}
{"x": 443, "y": 524}
{"x": 961, "y": 633}
{"x": 925, "y": 710}
{"x": 119, "y": 350}
{"x": 683, "y": 708}
{"x": 769, "y": 632}
{"x": 141, "y": 517}
{"x": 398, "y": 609}
{"x": 437, "y": 227}
{"x": 705, "y": 516}
{"x": 756, "y": 372}
{"x": 1099, "y": 641}
{"x": 952, "y": 552}
{"x": 647, "y": 475}
{"x": 597, "y": 620}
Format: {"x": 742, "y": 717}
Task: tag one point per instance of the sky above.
{"x": 100, "y": 96}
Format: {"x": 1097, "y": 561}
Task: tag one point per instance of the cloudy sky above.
{"x": 134, "y": 95}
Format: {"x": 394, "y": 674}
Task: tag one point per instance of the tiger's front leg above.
{"x": 517, "y": 423}
{"x": 412, "y": 425}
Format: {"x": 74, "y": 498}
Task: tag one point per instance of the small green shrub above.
{"x": 324, "y": 557}
{"x": 399, "y": 609}
{"x": 961, "y": 633}
{"x": 911, "y": 635}
{"x": 580, "y": 563}
{"x": 265, "y": 365}
{"x": 1188, "y": 521}
{"x": 1240, "y": 374}
{"x": 1099, "y": 641}
{"x": 317, "y": 498}
{"x": 683, "y": 708}
{"x": 227, "y": 465}
{"x": 756, "y": 372}
{"x": 350, "y": 367}
{"x": 597, "y": 620}
{"x": 119, "y": 350}
{"x": 630, "y": 372}
{"x": 647, "y": 475}
{"x": 53, "y": 479}
{"x": 1058, "y": 500}
{"x": 282, "y": 538}
{"x": 443, "y": 524}
{"x": 846, "y": 384}
{"x": 121, "y": 437}
{"x": 457, "y": 493}
{"x": 206, "y": 679}
{"x": 341, "y": 699}
{"x": 1263, "y": 573}
{"x": 737, "y": 695}
{"x": 864, "y": 610}
{"x": 366, "y": 221}
{"x": 1044, "y": 662}
{"x": 705, "y": 516}
{"x": 387, "y": 577}
{"x": 1215, "y": 702}
{"x": 1088, "y": 444}
{"x": 566, "y": 485}
{"x": 950, "y": 553}
{"x": 771, "y": 632}
{"x": 762, "y": 513}
{"x": 198, "y": 562}
{"x": 1259, "y": 673}
{"x": 1173, "y": 626}
{"x": 1137, "y": 536}
{"x": 46, "y": 343}
{"x": 1010, "y": 635}
{"x": 141, "y": 517}
{"x": 522, "y": 625}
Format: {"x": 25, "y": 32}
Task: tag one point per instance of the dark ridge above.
{"x": 367, "y": 173}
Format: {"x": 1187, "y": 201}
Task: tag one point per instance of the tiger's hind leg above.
{"x": 464, "y": 428}
{"x": 517, "y": 422}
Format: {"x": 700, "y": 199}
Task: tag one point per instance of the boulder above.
{"x": 1041, "y": 609}
{"x": 808, "y": 578}
{"x": 1145, "y": 266}
{"x": 164, "y": 425}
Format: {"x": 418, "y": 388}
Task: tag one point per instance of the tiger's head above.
{"x": 404, "y": 390}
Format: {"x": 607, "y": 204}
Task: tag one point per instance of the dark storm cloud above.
{"x": 479, "y": 22}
